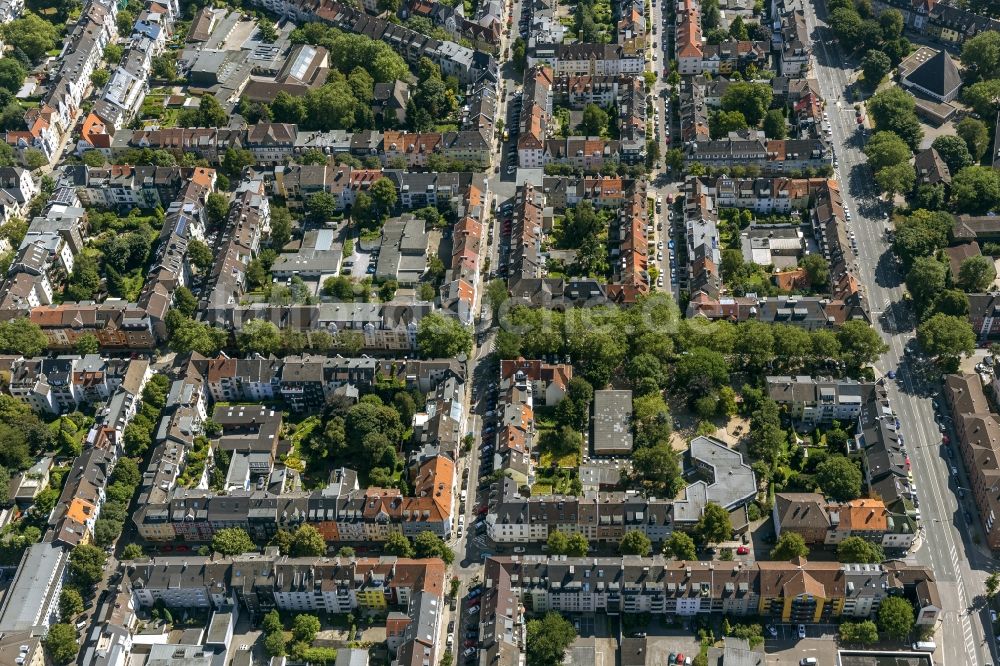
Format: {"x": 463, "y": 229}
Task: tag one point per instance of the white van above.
{"x": 925, "y": 646}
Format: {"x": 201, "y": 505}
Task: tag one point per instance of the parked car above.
{"x": 802, "y": 631}
{"x": 475, "y": 609}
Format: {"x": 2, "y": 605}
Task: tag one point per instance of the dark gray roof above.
{"x": 938, "y": 75}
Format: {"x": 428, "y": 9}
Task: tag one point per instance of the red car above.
{"x": 680, "y": 658}
{"x": 743, "y": 550}
{"x": 470, "y": 643}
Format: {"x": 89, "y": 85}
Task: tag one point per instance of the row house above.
{"x": 734, "y": 55}
{"x": 630, "y": 276}
{"x": 688, "y": 49}
{"x": 589, "y": 153}
{"x": 116, "y": 325}
{"x": 944, "y": 20}
{"x": 576, "y": 92}
{"x": 516, "y": 432}
{"x": 588, "y": 59}
{"x": 248, "y": 223}
{"x": 808, "y": 312}
{"x": 798, "y": 591}
{"x": 383, "y": 326}
{"x": 815, "y": 400}
{"x": 72, "y": 520}
{"x": 977, "y": 429}
{"x": 718, "y": 474}
{"x": 563, "y": 192}
{"x": 126, "y": 89}
{"x": 263, "y": 582}
{"x": 535, "y": 120}
{"x": 82, "y": 51}
{"x": 340, "y": 511}
{"x": 819, "y": 521}
{"x": 704, "y": 249}
{"x": 765, "y": 195}
{"x": 795, "y": 44}
{"x": 60, "y": 384}
{"x": 752, "y": 148}
{"x": 460, "y": 292}
{"x": 549, "y": 381}
{"x": 42, "y": 133}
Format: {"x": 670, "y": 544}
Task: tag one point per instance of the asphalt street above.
{"x": 948, "y": 547}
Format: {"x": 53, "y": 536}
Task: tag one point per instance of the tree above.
{"x": 60, "y": 642}
{"x": 232, "y": 541}
{"x": 200, "y": 254}
{"x": 926, "y": 279}
{"x": 700, "y": 371}
{"x": 839, "y": 478}
{"x": 86, "y": 565}
{"x": 992, "y": 585}
{"x": 185, "y": 301}
{"x": 132, "y": 551}
{"x": 307, "y": 542}
{"x": 87, "y": 344}
{"x": 259, "y": 336}
{"x": 274, "y": 644}
{"x": 595, "y": 120}
{"x": 921, "y": 234}
{"x": 428, "y": 544}
{"x": 33, "y": 158}
{"x": 895, "y": 617}
{"x": 976, "y": 189}
{"x": 70, "y": 604}
{"x": 234, "y": 160}
{"x": 281, "y": 227}
{"x": 983, "y": 97}
{"x": 789, "y": 546}
{"x": 977, "y": 274}
{"x": 886, "y": 149}
{"x": 749, "y": 98}
{"x": 976, "y": 136}
{"x": 855, "y": 550}
{"x": 397, "y": 544}
{"x": 714, "y": 525}
{"x": 774, "y": 124}
{"x": 321, "y": 206}
{"x": 658, "y": 466}
{"x": 635, "y": 542}
{"x": 441, "y": 336}
{"x": 721, "y": 123}
{"x": 305, "y": 627}
{"x": 384, "y": 197}
{"x": 954, "y": 151}
{"x": 946, "y": 338}
{"x": 952, "y": 302}
{"x": 99, "y": 78}
{"x": 896, "y": 179}
{"x": 547, "y": 640}
{"x": 33, "y": 35}
{"x": 894, "y": 109}
{"x": 860, "y": 344}
{"x": 187, "y": 335}
{"x": 12, "y": 74}
{"x": 981, "y": 54}
{"x": 681, "y": 546}
{"x": 875, "y": 66}
{"x": 817, "y": 269}
{"x": 891, "y": 21}
{"x": 865, "y": 632}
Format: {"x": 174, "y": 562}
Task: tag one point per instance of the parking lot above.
{"x": 785, "y": 652}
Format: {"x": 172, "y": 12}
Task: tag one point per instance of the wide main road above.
{"x": 960, "y": 566}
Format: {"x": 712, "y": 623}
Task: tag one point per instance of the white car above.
{"x": 802, "y": 631}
